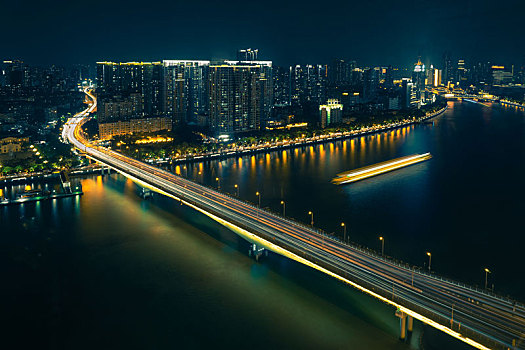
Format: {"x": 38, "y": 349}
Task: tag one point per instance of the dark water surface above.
{"x": 110, "y": 270}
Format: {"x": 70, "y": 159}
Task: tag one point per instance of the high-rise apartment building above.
{"x": 281, "y": 86}
{"x": 185, "y": 93}
{"x": 331, "y": 113}
{"x": 307, "y": 84}
{"x": 122, "y": 80}
{"x": 131, "y": 91}
{"x": 240, "y": 93}
{"x": 247, "y": 54}
{"x": 371, "y": 80}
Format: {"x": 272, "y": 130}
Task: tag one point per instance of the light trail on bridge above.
{"x": 460, "y": 311}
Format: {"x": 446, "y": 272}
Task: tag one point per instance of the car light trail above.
{"x": 380, "y": 168}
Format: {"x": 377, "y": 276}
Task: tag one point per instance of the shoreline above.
{"x": 295, "y": 144}
{"x": 235, "y": 153}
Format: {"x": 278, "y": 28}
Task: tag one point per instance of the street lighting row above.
{"x": 382, "y": 239}
{"x": 343, "y": 225}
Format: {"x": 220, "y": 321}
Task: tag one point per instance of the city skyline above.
{"x": 272, "y": 175}
{"x": 286, "y": 33}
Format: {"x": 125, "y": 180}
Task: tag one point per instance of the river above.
{"x": 110, "y": 269}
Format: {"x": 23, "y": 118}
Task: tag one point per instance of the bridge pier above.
{"x": 402, "y": 324}
{"x": 256, "y": 251}
{"x": 410, "y": 323}
{"x": 146, "y": 193}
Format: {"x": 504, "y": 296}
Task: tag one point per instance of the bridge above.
{"x": 474, "y": 316}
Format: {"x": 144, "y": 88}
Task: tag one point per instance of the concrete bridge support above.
{"x": 257, "y": 251}
{"x": 402, "y": 324}
{"x": 146, "y": 193}
{"x": 410, "y": 323}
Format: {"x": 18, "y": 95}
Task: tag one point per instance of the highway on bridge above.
{"x": 472, "y": 315}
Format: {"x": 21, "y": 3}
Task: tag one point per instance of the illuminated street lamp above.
{"x": 259, "y": 197}
{"x": 218, "y": 182}
{"x": 487, "y": 271}
{"x": 284, "y": 207}
{"x": 429, "y": 260}
{"x": 344, "y": 231}
{"x": 382, "y": 245}
{"x": 237, "y": 188}
{"x": 311, "y": 218}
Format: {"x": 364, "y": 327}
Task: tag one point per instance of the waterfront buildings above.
{"x": 140, "y": 125}
{"x": 186, "y": 90}
{"x": 331, "y": 113}
{"x": 408, "y": 94}
{"x": 240, "y": 94}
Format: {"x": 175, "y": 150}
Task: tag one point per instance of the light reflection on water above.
{"x": 153, "y": 273}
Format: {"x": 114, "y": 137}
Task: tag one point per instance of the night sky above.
{"x": 373, "y": 32}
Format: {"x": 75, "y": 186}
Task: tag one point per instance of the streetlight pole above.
{"x": 311, "y": 218}
{"x": 487, "y": 271}
{"x": 237, "y": 188}
{"x": 284, "y": 208}
{"x": 429, "y": 260}
{"x": 259, "y": 197}
{"x": 344, "y": 231}
{"x": 382, "y": 245}
{"x": 218, "y": 182}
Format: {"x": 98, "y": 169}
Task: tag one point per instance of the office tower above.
{"x": 461, "y": 73}
{"x": 240, "y": 92}
{"x": 408, "y": 95}
{"x": 449, "y": 72}
{"x": 247, "y": 54}
{"x": 388, "y": 77}
{"x": 480, "y": 74}
{"x": 371, "y": 79}
{"x": 418, "y": 78}
{"x": 501, "y": 76}
{"x": 185, "y": 93}
{"x": 437, "y": 77}
{"x": 330, "y": 113}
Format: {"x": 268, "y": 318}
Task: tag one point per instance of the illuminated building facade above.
{"x": 307, "y": 84}
{"x": 122, "y": 81}
{"x": 330, "y": 113}
{"x": 240, "y": 93}
{"x": 140, "y": 125}
{"x": 247, "y": 54}
{"x": 419, "y": 78}
{"x": 408, "y": 95}
{"x": 449, "y": 71}
{"x": 185, "y": 93}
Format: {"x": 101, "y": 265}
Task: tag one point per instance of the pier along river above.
{"x": 110, "y": 268}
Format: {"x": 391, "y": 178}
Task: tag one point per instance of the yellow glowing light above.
{"x": 369, "y": 171}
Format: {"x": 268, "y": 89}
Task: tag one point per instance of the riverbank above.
{"x": 45, "y": 176}
{"x": 268, "y": 147}
{"x": 509, "y": 103}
